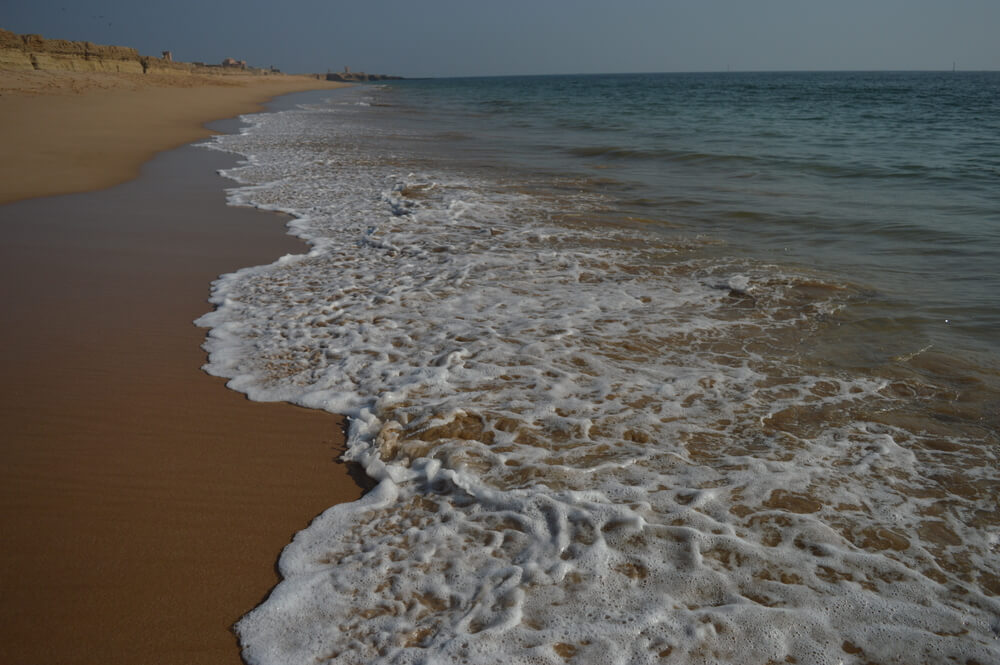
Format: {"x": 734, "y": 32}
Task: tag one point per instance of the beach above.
{"x": 143, "y": 504}
{"x": 78, "y": 131}
{"x": 644, "y": 368}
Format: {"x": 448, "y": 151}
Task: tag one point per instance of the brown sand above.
{"x": 65, "y": 132}
{"x": 142, "y": 504}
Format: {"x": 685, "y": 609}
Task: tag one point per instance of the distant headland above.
{"x": 347, "y": 76}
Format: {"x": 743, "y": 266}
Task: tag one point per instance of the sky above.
{"x": 476, "y": 38}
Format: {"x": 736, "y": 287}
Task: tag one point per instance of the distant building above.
{"x": 168, "y": 56}
{"x": 233, "y": 62}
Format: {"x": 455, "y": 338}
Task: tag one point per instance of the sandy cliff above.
{"x": 34, "y": 52}
{"x": 26, "y": 52}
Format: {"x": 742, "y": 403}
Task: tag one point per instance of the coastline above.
{"x": 143, "y": 504}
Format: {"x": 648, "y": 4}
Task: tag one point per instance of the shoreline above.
{"x": 144, "y": 505}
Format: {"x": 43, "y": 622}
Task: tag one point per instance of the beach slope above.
{"x": 142, "y": 505}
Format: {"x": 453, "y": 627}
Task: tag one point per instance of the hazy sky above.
{"x": 471, "y": 37}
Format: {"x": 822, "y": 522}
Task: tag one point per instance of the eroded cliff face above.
{"x": 26, "y": 52}
{"x": 34, "y": 52}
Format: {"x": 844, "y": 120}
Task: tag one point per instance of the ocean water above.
{"x": 680, "y": 368}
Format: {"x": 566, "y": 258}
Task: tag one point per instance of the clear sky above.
{"x": 472, "y": 37}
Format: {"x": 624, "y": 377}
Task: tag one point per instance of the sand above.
{"x": 66, "y": 132}
{"x": 142, "y": 504}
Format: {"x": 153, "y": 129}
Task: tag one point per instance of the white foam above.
{"x": 583, "y": 444}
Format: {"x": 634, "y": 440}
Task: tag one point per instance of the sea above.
{"x": 647, "y": 368}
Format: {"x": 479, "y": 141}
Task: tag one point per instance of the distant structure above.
{"x": 357, "y": 77}
{"x": 168, "y": 56}
{"x": 233, "y": 62}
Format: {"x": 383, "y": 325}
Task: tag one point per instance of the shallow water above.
{"x": 678, "y": 368}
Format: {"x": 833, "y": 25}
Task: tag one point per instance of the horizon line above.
{"x": 710, "y": 71}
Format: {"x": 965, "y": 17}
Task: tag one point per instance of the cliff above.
{"x": 25, "y": 52}
{"x": 34, "y": 52}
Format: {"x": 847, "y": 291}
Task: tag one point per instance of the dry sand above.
{"x": 66, "y": 132}
{"x": 142, "y": 504}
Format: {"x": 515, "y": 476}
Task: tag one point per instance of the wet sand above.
{"x": 143, "y": 505}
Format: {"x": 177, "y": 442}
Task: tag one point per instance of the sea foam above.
{"x": 592, "y": 443}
